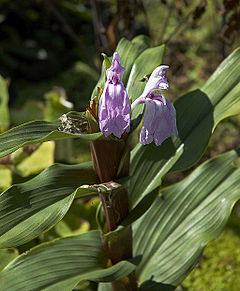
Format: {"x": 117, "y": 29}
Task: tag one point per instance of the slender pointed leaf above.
{"x": 32, "y": 207}
{"x": 134, "y": 214}
{"x": 61, "y": 264}
{"x": 146, "y": 169}
{"x": 129, "y": 51}
{"x": 173, "y": 233}
{"x": 36, "y": 132}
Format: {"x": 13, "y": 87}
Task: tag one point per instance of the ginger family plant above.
{"x": 149, "y": 238}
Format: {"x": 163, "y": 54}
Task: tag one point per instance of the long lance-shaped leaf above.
{"x": 61, "y": 264}
{"x": 129, "y": 51}
{"x": 36, "y": 132}
{"x": 32, "y": 207}
{"x": 140, "y": 209}
{"x": 150, "y": 173}
{"x": 198, "y": 113}
{"x": 173, "y": 233}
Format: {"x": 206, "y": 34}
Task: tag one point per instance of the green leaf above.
{"x": 143, "y": 40}
{"x": 4, "y": 113}
{"x": 173, "y": 233}
{"x": 134, "y": 214}
{"x": 198, "y": 113}
{"x": 61, "y": 264}
{"x": 107, "y": 62}
{"x": 150, "y": 173}
{"x": 129, "y": 51}
{"x": 35, "y": 132}
{"x": 32, "y": 207}
{"x": 7, "y": 255}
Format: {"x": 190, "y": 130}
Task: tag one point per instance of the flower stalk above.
{"x": 106, "y": 159}
{"x": 111, "y": 161}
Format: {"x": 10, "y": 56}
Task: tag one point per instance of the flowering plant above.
{"x": 149, "y": 237}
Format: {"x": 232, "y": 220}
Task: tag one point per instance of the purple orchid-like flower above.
{"x": 159, "y": 120}
{"x": 114, "y": 107}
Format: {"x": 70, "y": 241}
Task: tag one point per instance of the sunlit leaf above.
{"x": 32, "y": 207}
{"x": 36, "y": 132}
{"x": 173, "y": 233}
{"x": 61, "y": 264}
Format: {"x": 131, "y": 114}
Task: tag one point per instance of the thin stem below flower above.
{"x": 138, "y": 101}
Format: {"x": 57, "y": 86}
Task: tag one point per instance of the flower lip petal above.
{"x": 160, "y": 71}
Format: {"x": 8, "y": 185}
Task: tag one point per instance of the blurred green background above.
{"x": 50, "y": 60}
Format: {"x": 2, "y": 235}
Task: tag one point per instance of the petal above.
{"x": 165, "y": 121}
{"x": 146, "y": 134}
{"x": 114, "y": 110}
{"x": 157, "y": 81}
{"x": 159, "y": 121}
{"x": 172, "y": 116}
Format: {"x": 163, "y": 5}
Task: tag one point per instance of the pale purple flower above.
{"x": 114, "y": 107}
{"x": 159, "y": 121}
